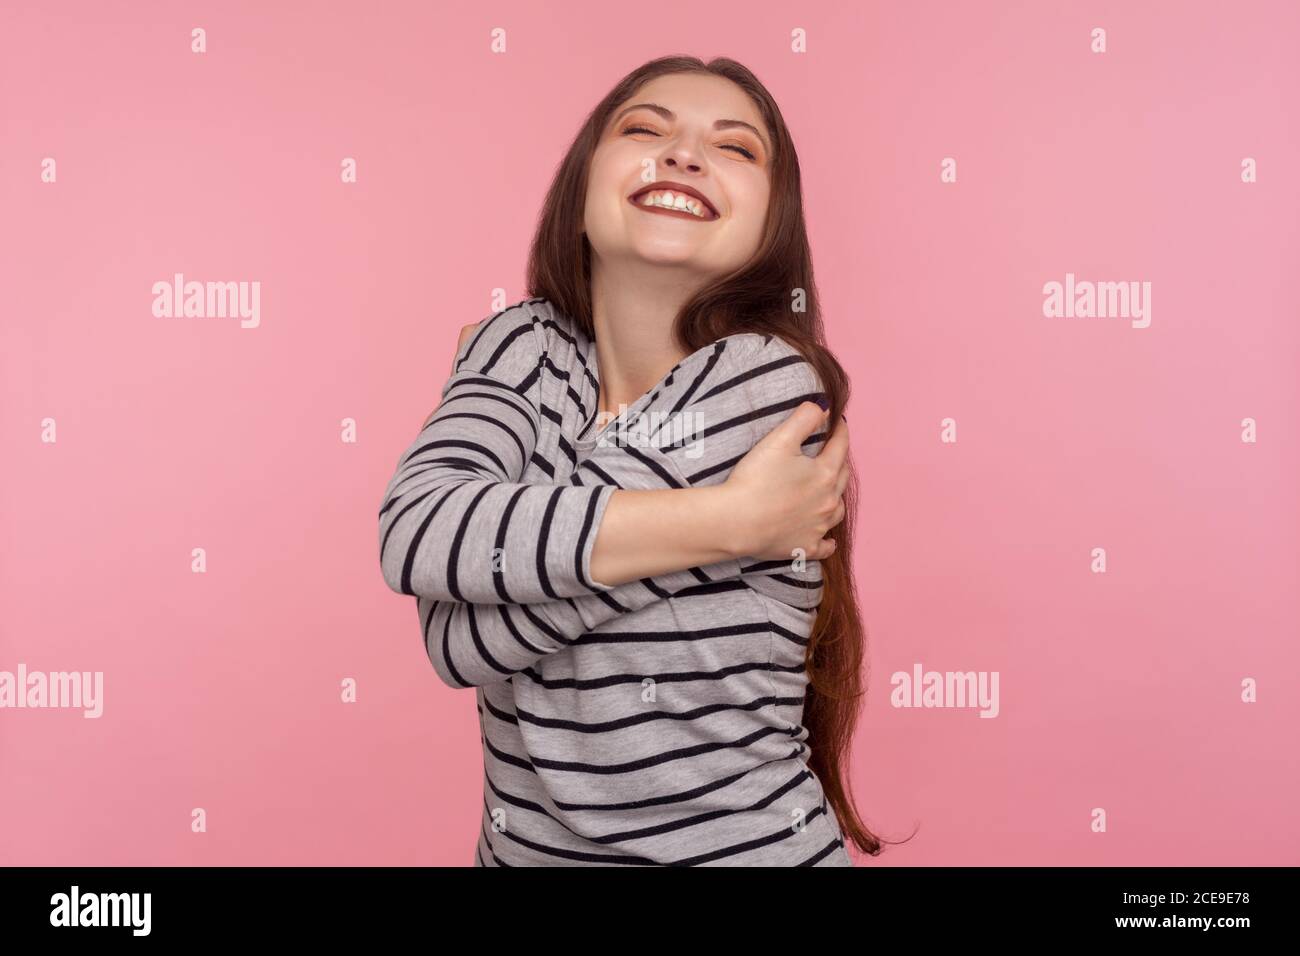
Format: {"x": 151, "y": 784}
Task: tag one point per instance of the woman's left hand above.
{"x": 466, "y": 331}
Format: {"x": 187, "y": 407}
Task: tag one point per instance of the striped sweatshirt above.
{"x": 652, "y": 723}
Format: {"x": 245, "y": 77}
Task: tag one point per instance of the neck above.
{"x": 634, "y": 305}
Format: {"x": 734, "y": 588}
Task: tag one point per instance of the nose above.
{"x": 680, "y": 153}
{"x": 688, "y": 164}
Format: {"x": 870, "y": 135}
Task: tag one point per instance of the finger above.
{"x": 789, "y": 435}
{"x": 466, "y": 332}
{"x": 838, "y": 515}
{"x": 842, "y": 477}
{"x": 836, "y": 449}
{"x": 825, "y": 548}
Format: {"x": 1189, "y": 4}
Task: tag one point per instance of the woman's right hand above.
{"x": 785, "y": 502}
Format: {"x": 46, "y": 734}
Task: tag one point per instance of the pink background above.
{"x": 222, "y": 690}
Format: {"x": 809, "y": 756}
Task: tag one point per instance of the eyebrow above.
{"x": 669, "y": 116}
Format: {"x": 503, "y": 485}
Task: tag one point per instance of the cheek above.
{"x": 598, "y": 172}
{"x": 601, "y": 210}
{"x": 751, "y": 199}
{"x": 597, "y": 201}
{"x": 603, "y": 182}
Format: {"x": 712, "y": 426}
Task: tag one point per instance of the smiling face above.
{"x": 702, "y": 139}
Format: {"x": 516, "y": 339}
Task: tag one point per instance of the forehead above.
{"x": 698, "y": 96}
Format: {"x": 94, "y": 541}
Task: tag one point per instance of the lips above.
{"x": 667, "y": 185}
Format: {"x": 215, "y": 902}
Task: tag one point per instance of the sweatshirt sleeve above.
{"x": 763, "y": 380}
{"x": 748, "y": 394}
{"x": 470, "y": 645}
{"x": 456, "y": 523}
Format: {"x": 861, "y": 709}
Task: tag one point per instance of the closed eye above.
{"x": 641, "y": 129}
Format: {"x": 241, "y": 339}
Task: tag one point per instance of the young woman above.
{"x": 616, "y": 522}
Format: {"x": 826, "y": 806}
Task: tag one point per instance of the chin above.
{"x": 666, "y": 253}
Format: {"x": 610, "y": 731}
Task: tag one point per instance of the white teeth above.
{"x": 667, "y": 199}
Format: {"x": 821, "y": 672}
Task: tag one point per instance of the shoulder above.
{"x": 507, "y": 345}
{"x": 768, "y": 365}
{"x": 557, "y": 330}
{"x": 760, "y": 375}
{"x": 519, "y": 336}
{"x": 754, "y": 384}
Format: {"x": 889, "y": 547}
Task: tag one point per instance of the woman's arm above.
{"x": 776, "y": 503}
{"x": 474, "y": 644}
{"x": 749, "y": 426}
{"x": 457, "y": 524}
{"x": 783, "y": 506}
{"x": 777, "y": 482}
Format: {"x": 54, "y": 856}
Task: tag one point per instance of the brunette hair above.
{"x": 757, "y": 297}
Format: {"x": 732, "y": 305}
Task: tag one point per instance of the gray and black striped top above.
{"x": 658, "y": 722}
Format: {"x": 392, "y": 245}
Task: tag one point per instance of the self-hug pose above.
{"x": 628, "y": 523}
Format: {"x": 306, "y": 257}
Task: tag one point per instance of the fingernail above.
{"x": 823, "y": 402}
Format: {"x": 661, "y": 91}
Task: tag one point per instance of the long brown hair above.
{"x": 757, "y": 297}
